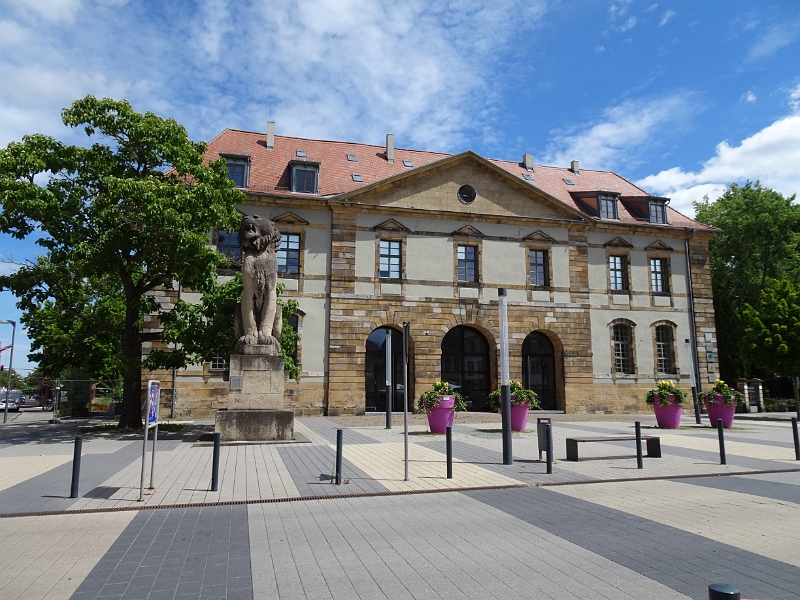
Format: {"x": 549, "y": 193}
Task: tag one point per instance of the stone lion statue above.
{"x": 259, "y": 317}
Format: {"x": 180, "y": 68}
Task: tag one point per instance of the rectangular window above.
{"x": 237, "y": 171}
{"x": 289, "y": 254}
{"x": 304, "y": 179}
{"x": 658, "y": 275}
{"x": 665, "y": 361}
{"x": 608, "y": 207}
{"x": 623, "y": 356}
{"x": 658, "y": 212}
{"x": 538, "y": 268}
{"x": 228, "y": 244}
{"x": 616, "y": 272}
{"x": 217, "y": 363}
{"x": 390, "y": 259}
{"x": 467, "y": 264}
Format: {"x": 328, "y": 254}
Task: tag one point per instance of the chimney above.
{"x": 575, "y": 167}
{"x": 390, "y": 147}
{"x": 270, "y": 135}
{"x": 527, "y": 162}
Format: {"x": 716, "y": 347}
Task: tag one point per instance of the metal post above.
{"x": 723, "y": 591}
{"x": 215, "y": 463}
{"x": 339, "y": 443}
{"x": 76, "y": 467}
{"x": 449, "y": 446}
{"x": 389, "y": 382}
{"x": 10, "y": 364}
{"x": 690, "y": 355}
{"x": 175, "y": 372}
{"x": 722, "y": 459}
{"x": 406, "y": 336}
{"x": 639, "y": 464}
{"x": 153, "y": 458}
{"x": 549, "y": 436}
{"x": 144, "y": 458}
{"x": 796, "y": 439}
{"x": 505, "y": 386}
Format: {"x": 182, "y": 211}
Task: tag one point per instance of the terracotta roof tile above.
{"x": 269, "y": 170}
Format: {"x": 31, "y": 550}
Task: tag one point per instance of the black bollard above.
{"x": 549, "y": 437}
{"x": 639, "y": 463}
{"x": 215, "y": 463}
{"x": 722, "y": 459}
{"x": 339, "y": 443}
{"x": 796, "y": 439}
{"x": 449, "y": 444}
{"x": 723, "y": 591}
{"x": 76, "y": 467}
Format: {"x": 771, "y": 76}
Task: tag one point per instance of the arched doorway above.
{"x": 375, "y": 371}
{"x": 539, "y": 368}
{"x": 465, "y": 364}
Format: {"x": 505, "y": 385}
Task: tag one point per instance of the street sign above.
{"x": 153, "y": 395}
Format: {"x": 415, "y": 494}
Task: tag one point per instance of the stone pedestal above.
{"x": 255, "y": 401}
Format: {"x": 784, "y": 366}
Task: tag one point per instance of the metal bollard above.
{"x": 549, "y": 437}
{"x": 215, "y": 463}
{"x": 796, "y": 439}
{"x": 722, "y": 459}
{"x": 339, "y": 443}
{"x": 76, "y": 467}
{"x": 449, "y": 444}
{"x": 723, "y": 591}
{"x": 639, "y": 463}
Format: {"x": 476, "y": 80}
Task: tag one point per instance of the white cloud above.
{"x": 665, "y": 18}
{"x": 618, "y": 14}
{"x": 774, "y": 39}
{"x": 51, "y": 10}
{"x": 623, "y": 129}
{"x": 794, "y": 98}
{"x": 749, "y": 96}
{"x": 770, "y": 156}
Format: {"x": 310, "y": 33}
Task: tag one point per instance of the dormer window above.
{"x": 658, "y": 211}
{"x": 238, "y": 170}
{"x": 607, "y": 206}
{"x": 304, "y": 178}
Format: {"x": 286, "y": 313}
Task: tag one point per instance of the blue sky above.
{"x": 681, "y": 97}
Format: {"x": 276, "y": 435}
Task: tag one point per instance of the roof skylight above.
{"x": 301, "y": 154}
{"x": 408, "y": 163}
{"x": 352, "y": 158}
{"x": 568, "y": 182}
{"x": 528, "y": 176}
{"x": 357, "y": 178}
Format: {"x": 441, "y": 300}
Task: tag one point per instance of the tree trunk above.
{"x": 131, "y": 417}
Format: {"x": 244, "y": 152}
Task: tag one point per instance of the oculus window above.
{"x": 623, "y": 352}
{"x": 288, "y": 254}
{"x": 467, "y": 264}
{"x": 304, "y": 179}
{"x": 538, "y": 267}
{"x": 390, "y": 259}
{"x": 617, "y": 273}
{"x": 658, "y": 275}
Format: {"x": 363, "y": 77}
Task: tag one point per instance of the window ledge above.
{"x": 664, "y": 294}
{"x": 469, "y": 284}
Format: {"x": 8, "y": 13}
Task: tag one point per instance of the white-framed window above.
{"x": 665, "y": 349}
{"x": 217, "y": 363}
{"x": 288, "y": 254}
{"x": 659, "y": 279}
{"x": 607, "y": 207}
{"x": 467, "y": 263}
{"x": 305, "y": 178}
{"x": 658, "y": 212}
{"x": 390, "y": 259}
{"x": 539, "y": 275}
{"x": 617, "y": 273}
{"x": 623, "y": 348}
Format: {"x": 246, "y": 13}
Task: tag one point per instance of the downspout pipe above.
{"x": 174, "y": 373}
{"x": 692, "y": 321}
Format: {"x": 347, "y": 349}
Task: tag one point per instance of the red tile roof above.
{"x": 269, "y": 170}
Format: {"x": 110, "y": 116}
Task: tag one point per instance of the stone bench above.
{"x": 653, "y": 444}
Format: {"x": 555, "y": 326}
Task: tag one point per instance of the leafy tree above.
{"x": 129, "y": 214}
{"x": 757, "y": 247}
{"x": 17, "y": 381}
{"x": 203, "y": 331}
{"x": 773, "y": 329}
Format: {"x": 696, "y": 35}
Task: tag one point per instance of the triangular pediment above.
{"x": 658, "y": 245}
{"x": 289, "y": 218}
{"x": 468, "y": 231}
{"x": 618, "y": 242}
{"x": 539, "y": 236}
{"x": 391, "y": 225}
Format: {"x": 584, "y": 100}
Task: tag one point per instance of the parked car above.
{"x": 13, "y": 405}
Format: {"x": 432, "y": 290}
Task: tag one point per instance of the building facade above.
{"x": 601, "y": 277}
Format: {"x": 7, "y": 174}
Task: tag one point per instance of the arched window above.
{"x": 375, "y": 370}
{"x": 465, "y": 364}
{"x": 622, "y": 338}
{"x": 665, "y": 349}
{"x": 539, "y": 369}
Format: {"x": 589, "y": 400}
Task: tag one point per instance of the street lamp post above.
{"x": 10, "y": 363}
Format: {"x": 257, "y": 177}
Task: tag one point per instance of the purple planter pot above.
{"x": 669, "y": 416}
{"x": 519, "y": 416}
{"x": 720, "y": 410}
{"x": 441, "y": 417}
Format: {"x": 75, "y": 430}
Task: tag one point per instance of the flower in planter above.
{"x": 519, "y": 395}
{"x": 729, "y": 397}
{"x": 662, "y": 391}
{"x": 431, "y": 398}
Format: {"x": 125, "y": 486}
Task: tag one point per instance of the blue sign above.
{"x": 153, "y": 393}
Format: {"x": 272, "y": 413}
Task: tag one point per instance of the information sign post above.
{"x": 151, "y": 420}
